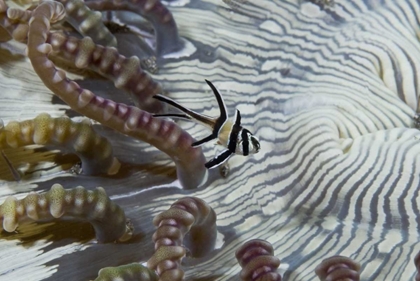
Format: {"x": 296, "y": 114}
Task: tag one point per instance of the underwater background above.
{"x": 330, "y": 88}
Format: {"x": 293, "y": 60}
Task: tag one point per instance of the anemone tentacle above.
{"x": 330, "y": 88}
{"x": 94, "y": 151}
{"x": 187, "y": 215}
{"x": 129, "y": 272}
{"x": 258, "y": 262}
{"x": 106, "y": 217}
{"x": 338, "y": 268}
{"x": 88, "y": 23}
{"x": 129, "y": 120}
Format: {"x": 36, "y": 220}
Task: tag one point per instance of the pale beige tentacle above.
{"x": 128, "y": 272}
{"x": 94, "y": 151}
{"x": 106, "y": 217}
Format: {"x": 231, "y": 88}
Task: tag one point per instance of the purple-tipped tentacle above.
{"x": 338, "y": 268}
{"x": 129, "y": 120}
{"x": 256, "y": 257}
{"x": 186, "y": 214}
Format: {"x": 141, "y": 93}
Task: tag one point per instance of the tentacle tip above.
{"x": 10, "y": 224}
{"x": 129, "y": 230}
{"x": 45, "y": 48}
{"x": 114, "y": 167}
{"x": 12, "y": 13}
{"x": 59, "y": 12}
{"x": 194, "y": 179}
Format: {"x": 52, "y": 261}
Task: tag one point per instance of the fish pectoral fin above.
{"x": 206, "y": 139}
{"x": 219, "y": 159}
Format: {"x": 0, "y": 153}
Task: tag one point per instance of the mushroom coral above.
{"x": 329, "y": 87}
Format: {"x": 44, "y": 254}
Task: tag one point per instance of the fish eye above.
{"x": 255, "y": 143}
{"x": 251, "y": 142}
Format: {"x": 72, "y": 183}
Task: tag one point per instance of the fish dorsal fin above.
{"x": 223, "y": 117}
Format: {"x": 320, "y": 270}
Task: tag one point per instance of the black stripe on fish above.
{"x": 245, "y": 141}
{"x": 234, "y": 133}
{"x": 219, "y": 159}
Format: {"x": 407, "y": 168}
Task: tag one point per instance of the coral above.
{"x": 187, "y": 215}
{"x": 258, "y": 262}
{"x": 324, "y": 4}
{"x": 129, "y": 272}
{"x": 330, "y": 88}
{"x": 94, "y": 151}
{"x": 235, "y": 4}
{"x": 338, "y": 268}
{"x": 107, "y": 218}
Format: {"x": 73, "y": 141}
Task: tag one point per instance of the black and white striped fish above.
{"x": 230, "y": 134}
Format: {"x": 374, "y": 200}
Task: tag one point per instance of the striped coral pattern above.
{"x": 329, "y": 87}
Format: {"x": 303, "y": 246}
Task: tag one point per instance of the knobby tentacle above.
{"x": 94, "y": 151}
{"x": 129, "y": 272}
{"x": 107, "y": 218}
{"x": 189, "y": 214}
{"x": 88, "y": 23}
{"x": 130, "y": 43}
{"x": 166, "y": 31}
{"x": 258, "y": 262}
{"x": 129, "y": 120}
{"x": 126, "y": 73}
{"x": 338, "y": 268}
{"x": 12, "y": 28}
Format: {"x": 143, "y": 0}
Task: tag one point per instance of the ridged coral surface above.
{"x": 329, "y": 87}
